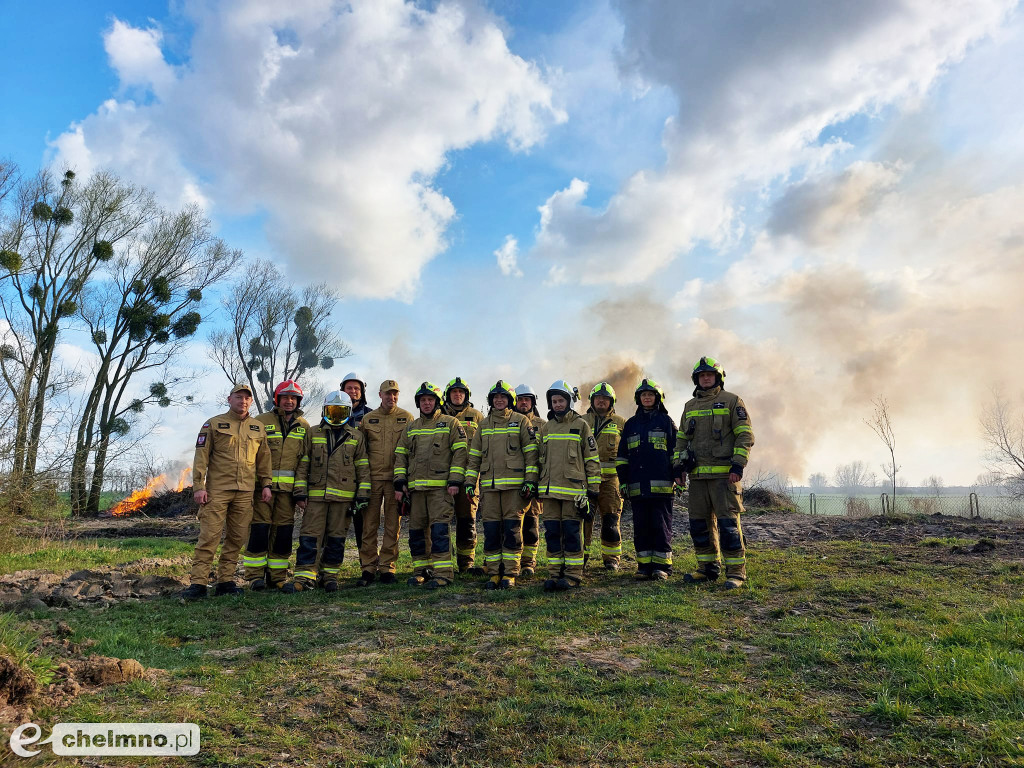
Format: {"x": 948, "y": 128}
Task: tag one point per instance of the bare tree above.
{"x": 52, "y": 239}
{"x": 935, "y": 484}
{"x": 818, "y": 481}
{"x": 881, "y": 424}
{"x": 140, "y": 320}
{"x": 1002, "y": 428}
{"x": 853, "y": 478}
{"x": 276, "y": 333}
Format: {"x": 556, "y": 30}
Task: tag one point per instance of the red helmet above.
{"x": 288, "y": 387}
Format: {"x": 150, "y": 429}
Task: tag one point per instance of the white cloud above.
{"x": 756, "y": 86}
{"x": 507, "y": 256}
{"x": 331, "y": 118}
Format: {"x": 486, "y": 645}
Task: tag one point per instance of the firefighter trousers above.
{"x": 563, "y": 534}
{"x": 531, "y": 535}
{"x": 382, "y": 494}
{"x": 609, "y": 506}
{"x": 227, "y": 513}
{"x": 502, "y": 514}
{"x": 326, "y": 522}
{"x": 430, "y": 545}
{"x": 270, "y": 538}
{"x": 715, "y": 508}
{"x": 465, "y": 528}
{"x": 652, "y": 533}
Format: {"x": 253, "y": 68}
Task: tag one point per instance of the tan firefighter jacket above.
{"x": 716, "y": 427}
{"x": 383, "y": 431}
{"x": 502, "y": 451}
{"x": 567, "y": 456}
{"x": 607, "y": 431}
{"x": 334, "y": 465}
{"x": 431, "y": 453}
{"x": 231, "y": 455}
{"x": 286, "y": 445}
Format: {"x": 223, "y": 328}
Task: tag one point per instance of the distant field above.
{"x": 993, "y": 507}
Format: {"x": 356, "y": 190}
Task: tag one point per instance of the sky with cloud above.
{"x": 824, "y": 196}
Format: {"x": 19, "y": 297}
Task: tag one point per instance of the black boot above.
{"x": 195, "y": 592}
{"x": 226, "y": 588}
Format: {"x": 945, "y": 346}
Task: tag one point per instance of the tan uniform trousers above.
{"x": 714, "y": 509}
{"x": 502, "y": 514}
{"x": 270, "y": 538}
{"x": 531, "y": 535}
{"x": 430, "y": 521}
{"x": 563, "y": 534}
{"x": 227, "y": 513}
{"x": 382, "y": 492}
{"x": 609, "y": 510}
{"x": 465, "y": 528}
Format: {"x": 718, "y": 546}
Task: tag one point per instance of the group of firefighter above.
{"x": 522, "y": 472}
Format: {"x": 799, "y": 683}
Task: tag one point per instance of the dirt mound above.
{"x": 37, "y": 589}
{"x": 767, "y": 499}
{"x": 17, "y": 685}
{"x": 104, "y": 670}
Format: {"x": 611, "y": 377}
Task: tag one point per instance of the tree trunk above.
{"x": 99, "y": 467}
{"x": 39, "y": 407}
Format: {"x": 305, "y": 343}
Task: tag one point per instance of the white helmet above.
{"x": 562, "y": 387}
{"x": 337, "y": 408}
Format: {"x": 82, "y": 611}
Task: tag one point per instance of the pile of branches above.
{"x": 171, "y": 504}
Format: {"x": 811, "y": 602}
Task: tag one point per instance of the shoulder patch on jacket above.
{"x": 206, "y": 425}
{"x": 592, "y": 442}
{"x": 201, "y": 440}
{"x": 532, "y": 431}
{"x": 741, "y": 412}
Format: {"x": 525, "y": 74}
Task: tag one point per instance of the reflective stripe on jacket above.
{"x": 502, "y": 451}
{"x": 644, "y": 460}
{"x": 432, "y": 453}
{"x": 716, "y": 427}
{"x": 607, "y": 431}
{"x": 285, "y": 439}
{"x": 334, "y": 464}
{"x": 567, "y": 454}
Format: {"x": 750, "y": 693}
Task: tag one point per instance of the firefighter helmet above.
{"x": 457, "y": 383}
{"x": 502, "y": 388}
{"x": 562, "y": 387}
{"x": 337, "y": 408}
{"x": 288, "y": 387}
{"x": 602, "y": 388}
{"x": 648, "y": 385}
{"x": 712, "y": 366}
{"x": 426, "y": 388}
{"x": 525, "y": 390}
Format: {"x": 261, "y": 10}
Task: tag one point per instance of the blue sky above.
{"x": 793, "y": 190}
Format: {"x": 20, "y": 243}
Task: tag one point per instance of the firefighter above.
{"x": 270, "y": 535}
{"x": 713, "y": 446}
{"x": 569, "y": 483}
{"x": 430, "y": 464}
{"x": 606, "y": 425}
{"x": 232, "y": 459}
{"x": 382, "y": 428}
{"x": 333, "y": 482}
{"x": 526, "y": 404}
{"x": 355, "y": 388}
{"x": 644, "y": 465}
{"x": 501, "y": 453}
{"x": 456, "y": 404}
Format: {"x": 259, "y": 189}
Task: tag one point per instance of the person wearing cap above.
{"x": 430, "y": 463}
{"x": 457, "y": 405}
{"x": 382, "y": 427}
{"x": 568, "y": 481}
{"x": 713, "y": 446}
{"x": 232, "y": 460}
{"x": 644, "y": 464}
{"x": 270, "y": 535}
{"x": 606, "y": 425}
{"x": 526, "y": 404}
{"x": 501, "y": 452}
{"x": 354, "y": 386}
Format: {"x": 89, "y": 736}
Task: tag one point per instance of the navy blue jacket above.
{"x": 644, "y": 463}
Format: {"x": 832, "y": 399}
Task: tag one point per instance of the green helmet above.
{"x": 709, "y": 364}
{"x": 457, "y": 383}
{"x": 602, "y": 388}
{"x": 648, "y": 385}
{"x": 426, "y": 388}
{"x": 502, "y": 388}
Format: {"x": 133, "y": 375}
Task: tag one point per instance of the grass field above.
{"x": 844, "y": 653}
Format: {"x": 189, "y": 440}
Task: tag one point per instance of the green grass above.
{"x": 66, "y": 556}
{"x": 20, "y": 644}
{"x": 849, "y": 654}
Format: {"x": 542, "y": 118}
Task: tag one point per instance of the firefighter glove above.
{"x": 689, "y": 461}
{"x": 736, "y": 469}
{"x": 361, "y": 503}
{"x": 470, "y": 491}
{"x": 528, "y": 490}
{"x": 401, "y": 484}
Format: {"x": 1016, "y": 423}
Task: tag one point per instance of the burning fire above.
{"x": 137, "y": 499}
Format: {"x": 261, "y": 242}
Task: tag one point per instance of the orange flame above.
{"x": 137, "y": 499}
{"x": 181, "y": 479}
